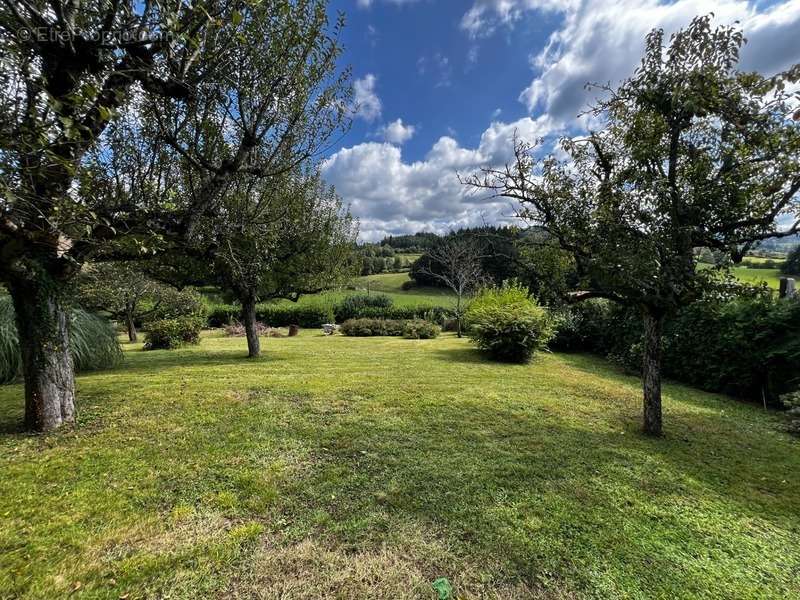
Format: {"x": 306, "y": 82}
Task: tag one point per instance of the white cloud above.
{"x": 368, "y": 3}
{"x": 367, "y": 104}
{"x": 485, "y": 16}
{"x": 398, "y": 133}
{"x": 601, "y": 41}
{"x": 390, "y": 195}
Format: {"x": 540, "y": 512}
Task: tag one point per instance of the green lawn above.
{"x": 755, "y": 276}
{"x": 769, "y": 276}
{"x": 368, "y": 467}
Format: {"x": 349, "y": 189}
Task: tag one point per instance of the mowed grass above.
{"x": 367, "y": 468}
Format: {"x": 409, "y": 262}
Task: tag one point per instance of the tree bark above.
{"x": 131, "y": 326}
{"x": 250, "y": 327}
{"x": 651, "y": 372}
{"x": 458, "y": 316}
{"x": 43, "y": 329}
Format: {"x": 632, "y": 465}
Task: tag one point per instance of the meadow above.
{"x": 369, "y": 467}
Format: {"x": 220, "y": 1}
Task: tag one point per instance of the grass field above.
{"x": 368, "y": 467}
{"x": 388, "y": 284}
{"x": 755, "y": 276}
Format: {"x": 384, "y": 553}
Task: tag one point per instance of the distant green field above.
{"x": 755, "y": 276}
{"x": 769, "y": 276}
{"x": 385, "y": 283}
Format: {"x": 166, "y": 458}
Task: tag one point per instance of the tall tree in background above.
{"x": 693, "y": 154}
{"x": 456, "y": 262}
{"x": 69, "y": 69}
{"x": 281, "y": 238}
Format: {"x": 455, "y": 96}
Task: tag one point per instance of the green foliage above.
{"x": 314, "y": 315}
{"x": 791, "y": 403}
{"x": 792, "y": 264}
{"x": 176, "y": 304}
{"x": 411, "y": 328}
{"x": 93, "y": 342}
{"x": 419, "y": 329}
{"x": 743, "y": 346}
{"x": 355, "y": 306}
{"x": 504, "y": 322}
{"x": 169, "y": 334}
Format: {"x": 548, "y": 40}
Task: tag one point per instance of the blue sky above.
{"x": 442, "y": 86}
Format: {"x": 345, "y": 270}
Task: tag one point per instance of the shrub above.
{"x": 791, "y": 402}
{"x": 93, "y": 342}
{"x": 745, "y": 345}
{"x": 792, "y": 264}
{"x": 169, "y": 334}
{"x": 507, "y": 324}
{"x": 283, "y": 315}
{"x": 359, "y": 305}
{"x": 408, "y": 285}
{"x": 237, "y": 329}
{"x": 373, "y": 327}
{"x": 418, "y": 329}
{"x": 220, "y": 315}
{"x": 176, "y": 304}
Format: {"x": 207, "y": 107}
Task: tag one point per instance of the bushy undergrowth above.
{"x": 169, "y": 334}
{"x": 312, "y": 316}
{"x": 177, "y": 304}
{"x": 506, "y": 324}
{"x": 356, "y": 305}
{"x": 746, "y": 345}
{"x": 237, "y": 329}
{"x": 419, "y": 329}
{"x": 412, "y": 329}
{"x": 93, "y": 342}
{"x": 791, "y": 402}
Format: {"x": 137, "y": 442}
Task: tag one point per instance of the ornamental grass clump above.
{"x": 505, "y": 323}
{"x": 92, "y": 339}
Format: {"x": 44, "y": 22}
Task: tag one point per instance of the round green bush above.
{"x": 507, "y": 324}
{"x": 169, "y": 334}
{"x": 419, "y": 329}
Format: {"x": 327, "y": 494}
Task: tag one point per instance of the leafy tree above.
{"x": 126, "y": 293}
{"x": 120, "y": 290}
{"x": 693, "y": 154}
{"x": 71, "y": 182}
{"x": 458, "y": 266}
{"x": 792, "y": 264}
{"x": 281, "y": 238}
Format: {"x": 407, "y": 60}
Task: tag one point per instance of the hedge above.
{"x": 745, "y": 346}
{"x": 311, "y": 316}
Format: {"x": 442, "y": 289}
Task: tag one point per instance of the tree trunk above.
{"x": 43, "y": 329}
{"x": 458, "y": 317}
{"x": 250, "y": 327}
{"x": 651, "y": 372}
{"x": 131, "y": 326}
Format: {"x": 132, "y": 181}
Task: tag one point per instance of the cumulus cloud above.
{"x": 601, "y": 41}
{"x": 367, "y": 104}
{"x": 398, "y": 133}
{"x": 392, "y": 196}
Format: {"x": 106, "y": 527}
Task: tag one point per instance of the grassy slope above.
{"x": 355, "y": 468}
{"x": 388, "y": 284}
